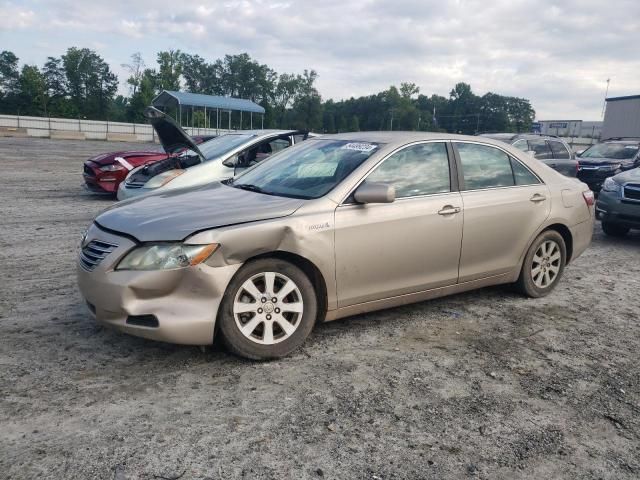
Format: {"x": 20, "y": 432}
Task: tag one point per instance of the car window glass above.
{"x": 299, "y": 138}
{"x": 484, "y": 166}
{"x": 541, "y": 149}
{"x": 559, "y": 150}
{"x": 278, "y": 144}
{"x": 522, "y": 174}
{"x": 417, "y": 170}
{"x": 521, "y": 145}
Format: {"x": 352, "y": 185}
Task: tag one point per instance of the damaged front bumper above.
{"x": 176, "y": 306}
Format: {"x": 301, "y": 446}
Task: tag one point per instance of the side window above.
{"x": 541, "y": 149}
{"x": 299, "y": 138}
{"x": 559, "y": 150}
{"x": 278, "y": 144}
{"x": 521, "y": 145}
{"x": 522, "y": 174}
{"x": 484, "y": 166}
{"x": 417, "y": 170}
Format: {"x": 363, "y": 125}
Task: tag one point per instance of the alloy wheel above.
{"x": 268, "y": 308}
{"x": 546, "y": 264}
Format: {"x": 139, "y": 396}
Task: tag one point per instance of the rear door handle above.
{"x": 449, "y": 210}
{"x": 537, "y": 198}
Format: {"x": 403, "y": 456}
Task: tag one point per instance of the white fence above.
{"x": 77, "y": 129}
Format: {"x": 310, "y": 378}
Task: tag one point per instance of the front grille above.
{"x": 94, "y": 252}
{"x": 632, "y": 192}
{"x": 89, "y": 171}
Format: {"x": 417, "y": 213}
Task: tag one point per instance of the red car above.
{"x": 103, "y": 173}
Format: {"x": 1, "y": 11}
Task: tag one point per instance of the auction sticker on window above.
{"x": 360, "y": 147}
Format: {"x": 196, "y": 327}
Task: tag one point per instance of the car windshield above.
{"x": 223, "y": 144}
{"x": 308, "y": 170}
{"x": 619, "y": 151}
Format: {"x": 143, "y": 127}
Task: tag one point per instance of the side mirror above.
{"x": 234, "y": 160}
{"x": 579, "y": 153}
{"x": 375, "y": 193}
{"x": 531, "y": 153}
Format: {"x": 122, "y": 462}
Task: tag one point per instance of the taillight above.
{"x": 589, "y": 198}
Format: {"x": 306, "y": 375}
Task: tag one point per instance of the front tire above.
{"x": 543, "y": 265}
{"x": 614, "y": 230}
{"x": 268, "y": 310}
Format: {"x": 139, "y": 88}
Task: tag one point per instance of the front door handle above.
{"x": 537, "y": 198}
{"x": 449, "y": 210}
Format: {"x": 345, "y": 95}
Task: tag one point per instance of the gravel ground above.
{"x": 486, "y": 384}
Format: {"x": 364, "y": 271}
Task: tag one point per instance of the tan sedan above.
{"x": 332, "y": 227}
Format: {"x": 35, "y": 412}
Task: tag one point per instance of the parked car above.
{"x": 607, "y": 159}
{"x": 220, "y": 158}
{"x": 550, "y": 150}
{"x": 336, "y": 226}
{"x": 104, "y": 173}
{"x": 618, "y": 205}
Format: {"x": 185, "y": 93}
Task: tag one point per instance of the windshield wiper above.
{"x": 247, "y": 186}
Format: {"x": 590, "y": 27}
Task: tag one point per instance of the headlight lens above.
{"x": 163, "y": 178}
{"x": 610, "y": 185}
{"x": 166, "y": 256}
{"x": 111, "y": 168}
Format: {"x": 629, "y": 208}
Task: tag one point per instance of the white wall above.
{"x": 86, "y": 129}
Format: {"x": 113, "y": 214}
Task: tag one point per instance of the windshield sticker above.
{"x": 360, "y": 147}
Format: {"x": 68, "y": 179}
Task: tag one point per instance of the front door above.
{"x": 410, "y": 245}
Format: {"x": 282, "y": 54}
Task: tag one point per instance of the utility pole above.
{"x": 604, "y": 102}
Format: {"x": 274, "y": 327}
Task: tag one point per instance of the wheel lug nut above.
{"x": 268, "y": 317}
{"x": 274, "y": 299}
{"x": 259, "y": 310}
{"x": 277, "y": 310}
{"x": 263, "y": 299}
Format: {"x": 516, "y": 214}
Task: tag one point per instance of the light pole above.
{"x": 604, "y": 102}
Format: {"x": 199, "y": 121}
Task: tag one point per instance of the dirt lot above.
{"x": 486, "y": 384}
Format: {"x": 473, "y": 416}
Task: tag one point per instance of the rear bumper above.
{"x": 582, "y": 234}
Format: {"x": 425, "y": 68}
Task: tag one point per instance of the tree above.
{"x": 9, "y": 78}
{"x": 170, "y": 69}
{"x": 136, "y": 71}
{"x": 32, "y": 92}
{"x": 307, "y": 106}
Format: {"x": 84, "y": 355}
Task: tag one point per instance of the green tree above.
{"x": 169, "y": 70}
{"x": 9, "y": 79}
{"x": 32, "y": 92}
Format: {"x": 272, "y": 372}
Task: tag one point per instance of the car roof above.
{"x": 401, "y": 138}
{"x": 258, "y": 132}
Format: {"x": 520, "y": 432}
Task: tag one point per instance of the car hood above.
{"x": 600, "y": 161}
{"x": 171, "y": 136}
{"x": 176, "y": 214}
{"x": 109, "y": 158}
{"x": 630, "y": 176}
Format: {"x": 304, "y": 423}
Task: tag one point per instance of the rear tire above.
{"x": 543, "y": 265}
{"x": 268, "y": 310}
{"x": 614, "y": 229}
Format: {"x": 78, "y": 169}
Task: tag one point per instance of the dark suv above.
{"x": 553, "y": 151}
{"x": 618, "y": 205}
{"x": 607, "y": 159}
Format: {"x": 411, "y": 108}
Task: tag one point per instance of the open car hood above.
{"x": 177, "y": 214}
{"x": 171, "y": 136}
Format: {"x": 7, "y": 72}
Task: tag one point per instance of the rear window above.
{"x": 619, "y": 151}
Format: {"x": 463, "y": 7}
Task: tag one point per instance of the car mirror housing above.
{"x": 375, "y": 193}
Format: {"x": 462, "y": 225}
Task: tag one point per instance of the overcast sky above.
{"x": 557, "y": 54}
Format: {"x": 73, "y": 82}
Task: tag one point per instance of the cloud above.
{"x": 557, "y": 55}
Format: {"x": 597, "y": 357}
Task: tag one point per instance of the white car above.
{"x": 217, "y": 159}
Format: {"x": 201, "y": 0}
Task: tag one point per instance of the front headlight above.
{"x": 165, "y": 256}
{"x": 111, "y": 168}
{"x": 163, "y": 178}
{"x": 610, "y": 185}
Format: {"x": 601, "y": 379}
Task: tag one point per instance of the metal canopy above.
{"x": 170, "y": 98}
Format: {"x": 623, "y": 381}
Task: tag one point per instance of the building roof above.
{"x": 168, "y": 98}
{"x": 628, "y": 97}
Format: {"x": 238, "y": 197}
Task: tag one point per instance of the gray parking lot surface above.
{"x": 486, "y": 384}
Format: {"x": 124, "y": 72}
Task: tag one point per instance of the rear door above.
{"x": 504, "y": 205}
{"x": 410, "y": 245}
{"x": 563, "y": 160}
